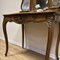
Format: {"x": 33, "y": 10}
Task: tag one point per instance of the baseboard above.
{"x": 41, "y": 51}
{"x": 31, "y": 48}
{"x": 12, "y": 41}
{"x": 2, "y": 38}
{"x": 36, "y": 50}
{"x": 53, "y": 56}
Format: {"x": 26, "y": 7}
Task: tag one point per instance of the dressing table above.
{"x": 32, "y": 16}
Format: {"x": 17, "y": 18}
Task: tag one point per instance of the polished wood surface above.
{"x": 27, "y": 17}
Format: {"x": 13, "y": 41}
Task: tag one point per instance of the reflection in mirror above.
{"x": 42, "y": 3}
{"x": 25, "y": 6}
{"x": 28, "y": 5}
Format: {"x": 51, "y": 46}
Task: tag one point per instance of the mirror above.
{"x": 41, "y": 3}
{"x": 25, "y": 6}
{"x": 28, "y": 5}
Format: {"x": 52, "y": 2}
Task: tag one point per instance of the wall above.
{"x": 35, "y": 34}
{"x": 36, "y": 37}
{"x": 10, "y": 6}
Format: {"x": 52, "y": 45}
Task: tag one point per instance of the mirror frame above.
{"x": 32, "y": 5}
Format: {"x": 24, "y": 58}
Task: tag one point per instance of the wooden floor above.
{"x": 17, "y": 53}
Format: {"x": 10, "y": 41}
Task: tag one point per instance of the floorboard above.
{"x": 17, "y": 53}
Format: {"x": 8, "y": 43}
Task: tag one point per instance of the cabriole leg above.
{"x": 5, "y": 35}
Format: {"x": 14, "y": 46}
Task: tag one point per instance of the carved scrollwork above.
{"x": 13, "y": 19}
{"x": 51, "y": 20}
{"x": 7, "y": 19}
{"x": 18, "y": 19}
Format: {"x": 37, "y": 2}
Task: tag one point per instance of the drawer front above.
{"x": 34, "y": 18}
{"x": 39, "y": 18}
{"x": 26, "y": 18}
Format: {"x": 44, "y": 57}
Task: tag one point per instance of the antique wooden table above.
{"x": 35, "y": 17}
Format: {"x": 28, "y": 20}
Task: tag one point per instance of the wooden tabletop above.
{"x": 34, "y": 12}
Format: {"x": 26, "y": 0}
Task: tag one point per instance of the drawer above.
{"x": 30, "y": 18}
{"x": 34, "y": 18}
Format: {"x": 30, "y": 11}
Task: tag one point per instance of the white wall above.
{"x": 10, "y": 6}
{"x": 36, "y": 37}
{"x": 35, "y": 34}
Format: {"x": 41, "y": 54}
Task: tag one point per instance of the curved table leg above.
{"x": 49, "y": 42}
{"x": 57, "y": 45}
{"x": 5, "y": 35}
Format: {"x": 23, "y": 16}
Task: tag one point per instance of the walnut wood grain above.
{"x": 50, "y": 36}
{"x": 22, "y": 18}
{"x": 5, "y": 35}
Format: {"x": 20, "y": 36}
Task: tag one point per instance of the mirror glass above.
{"x": 37, "y": 4}
{"x": 41, "y": 4}
{"x": 25, "y": 6}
